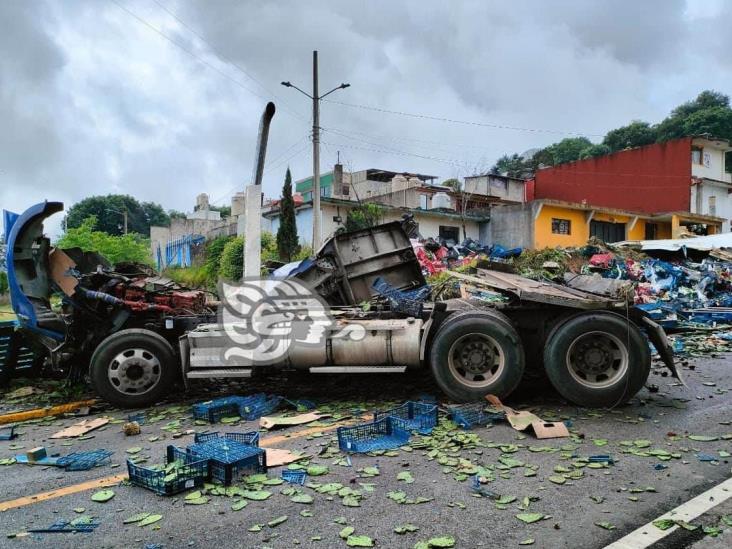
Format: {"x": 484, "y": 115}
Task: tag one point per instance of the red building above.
{"x": 686, "y": 175}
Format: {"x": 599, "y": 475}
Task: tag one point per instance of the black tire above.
{"x": 597, "y": 359}
{"x": 490, "y": 337}
{"x": 143, "y": 377}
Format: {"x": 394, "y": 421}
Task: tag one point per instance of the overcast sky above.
{"x": 94, "y": 99}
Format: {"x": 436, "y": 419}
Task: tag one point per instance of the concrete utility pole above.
{"x": 122, "y": 213}
{"x": 316, "y": 145}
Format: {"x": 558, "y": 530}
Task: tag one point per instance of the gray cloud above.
{"x": 94, "y": 101}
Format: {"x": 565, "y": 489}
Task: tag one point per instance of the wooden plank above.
{"x": 37, "y": 413}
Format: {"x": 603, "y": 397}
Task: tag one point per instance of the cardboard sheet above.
{"x": 277, "y": 457}
{"x": 81, "y": 428}
{"x": 287, "y": 421}
{"x": 522, "y": 420}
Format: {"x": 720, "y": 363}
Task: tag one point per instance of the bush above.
{"x": 364, "y": 216}
{"x": 232, "y": 260}
{"x": 116, "y": 249}
{"x": 192, "y": 277}
{"x": 212, "y": 263}
{"x": 3, "y": 282}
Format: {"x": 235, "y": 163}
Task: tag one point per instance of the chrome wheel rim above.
{"x": 597, "y": 360}
{"x": 134, "y": 371}
{"x": 476, "y": 360}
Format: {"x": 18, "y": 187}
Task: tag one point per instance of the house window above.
{"x": 712, "y": 205}
{"x": 561, "y": 226}
{"x": 345, "y": 190}
{"x": 651, "y": 231}
{"x": 450, "y": 233}
{"x": 696, "y": 155}
{"x": 325, "y": 191}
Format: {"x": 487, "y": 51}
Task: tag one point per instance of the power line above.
{"x": 229, "y": 60}
{"x": 190, "y": 52}
{"x": 456, "y": 163}
{"x": 460, "y": 163}
{"x": 456, "y": 121}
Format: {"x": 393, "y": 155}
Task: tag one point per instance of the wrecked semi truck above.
{"x": 137, "y": 336}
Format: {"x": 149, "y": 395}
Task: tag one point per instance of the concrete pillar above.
{"x": 675, "y": 226}
{"x": 253, "y": 233}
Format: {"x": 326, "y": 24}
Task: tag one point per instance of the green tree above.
{"x": 567, "y": 150}
{"x": 175, "y": 214}
{"x": 287, "y": 239}
{"x": 212, "y": 263}
{"x": 108, "y": 212}
{"x": 129, "y": 247}
{"x": 453, "y": 183}
{"x": 364, "y": 216}
{"x": 3, "y": 282}
{"x": 225, "y": 211}
{"x": 593, "y": 151}
{"x": 635, "y": 134}
{"x": 674, "y": 125}
{"x": 715, "y": 121}
{"x": 511, "y": 165}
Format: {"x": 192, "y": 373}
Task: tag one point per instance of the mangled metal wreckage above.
{"x": 138, "y": 336}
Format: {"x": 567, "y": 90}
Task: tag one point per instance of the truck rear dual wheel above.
{"x": 474, "y": 354}
{"x": 133, "y": 368}
{"x": 597, "y": 359}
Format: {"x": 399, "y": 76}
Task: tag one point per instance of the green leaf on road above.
{"x": 197, "y": 501}
{"x": 79, "y": 509}
{"x": 600, "y": 441}
{"x": 442, "y": 542}
{"x": 663, "y": 524}
{"x": 405, "y": 476}
{"x": 102, "y": 495}
{"x": 317, "y": 470}
{"x": 149, "y": 520}
{"x": 302, "y": 498}
{"x": 702, "y": 438}
{"x": 256, "y": 495}
{"x": 404, "y": 528}
{"x": 529, "y": 518}
{"x": 557, "y": 479}
{"x": 359, "y": 541}
{"x": 194, "y": 495}
{"x": 529, "y": 541}
{"x": 277, "y": 521}
{"x": 606, "y": 525}
{"x": 134, "y": 450}
{"x": 136, "y": 518}
{"x": 239, "y": 505}
{"x": 347, "y": 531}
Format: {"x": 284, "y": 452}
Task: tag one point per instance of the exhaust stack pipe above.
{"x": 253, "y": 211}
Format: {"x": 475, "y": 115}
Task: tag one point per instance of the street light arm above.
{"x": 291, "y": 85}
{"x": 341, "y": 87}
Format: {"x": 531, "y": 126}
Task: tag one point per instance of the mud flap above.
{"x": 662, "y": 345}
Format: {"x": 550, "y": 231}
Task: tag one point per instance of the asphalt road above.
{"x": 624, "y": 496}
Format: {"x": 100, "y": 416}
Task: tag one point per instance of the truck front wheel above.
{"x": 597, "y": 359}
{"x": 475, "y": 354}
{"x": 133, "y": 368}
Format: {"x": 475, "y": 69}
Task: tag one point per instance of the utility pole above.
{"x": 125, "y": 216}
{"x": 317, "y": 235}
{"x": 316, "y": 145}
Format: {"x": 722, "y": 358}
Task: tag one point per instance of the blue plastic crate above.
{"x": 408, "y": 302}
{"x": 256, "y": 406}
{"x": 384, "y": 434}
{"x": 213, "y": 410}
{"x": 412, "y": 416}
{"x": 468, "y": 416}
{"x": 228, "y": 458}
{"x": 83, "y": 461}
{"x": 187, "y": 472}
{"x": 7, "y": 432}
{"x": 294, "y": 477}
{"x": 251, "y": 438}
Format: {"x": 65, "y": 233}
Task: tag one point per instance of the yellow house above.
{"x": 549, "y": 223}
